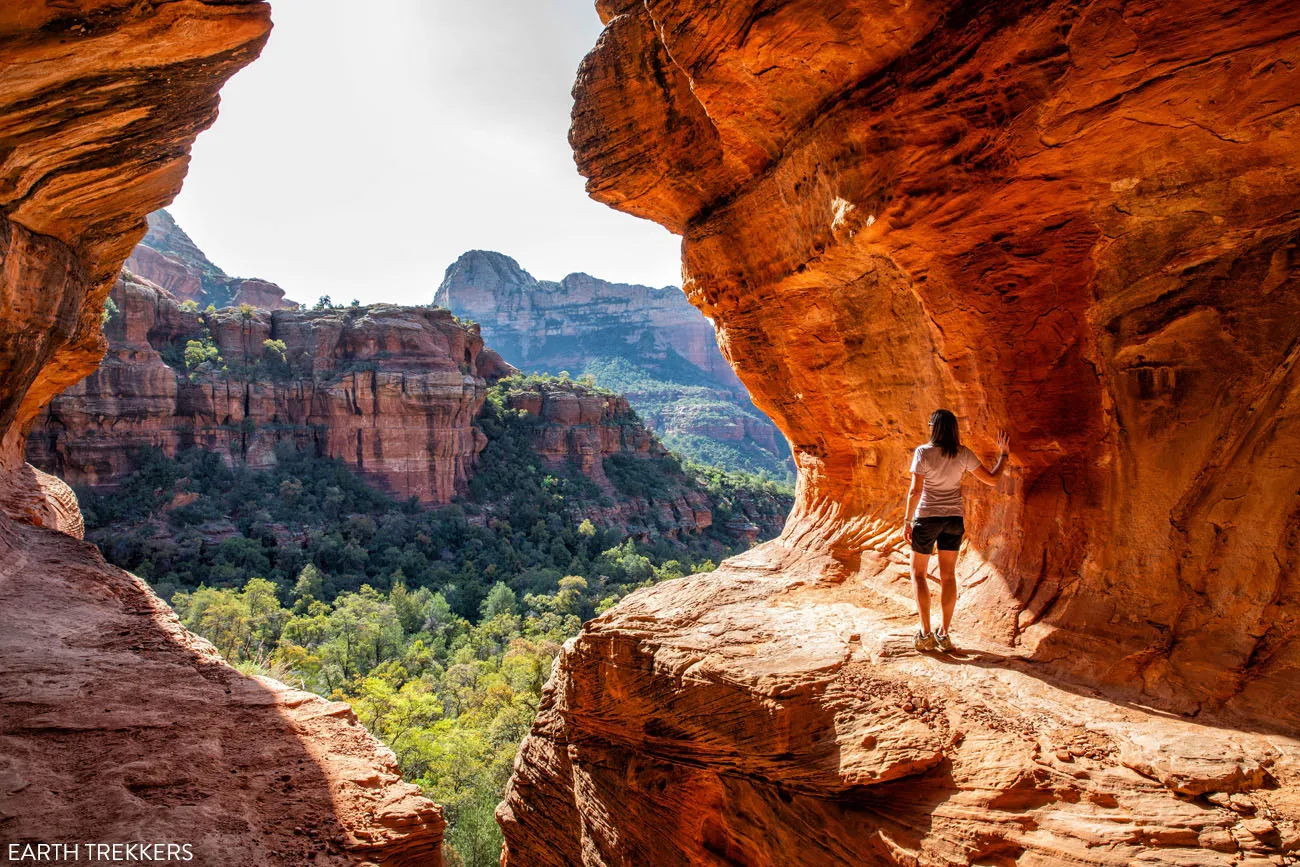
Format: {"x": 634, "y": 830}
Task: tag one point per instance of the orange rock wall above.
{"x": 86, "y": 156}
{"x": 65, "y": 210}
{"x": 1072, "y": 220}
{"x": 1076, "y": 222}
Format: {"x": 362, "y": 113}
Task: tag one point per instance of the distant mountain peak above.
{"x": 486, "y": 270}
{"x": 166, "y": 236}
{"x": 480, "y": 283}
{"x": 650, "y": 342}
{"x": 168, "y": 257}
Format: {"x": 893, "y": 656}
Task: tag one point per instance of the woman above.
{"x": 935, "y": 501}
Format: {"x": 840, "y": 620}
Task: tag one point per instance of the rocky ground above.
{"x": 760, "y": 716}
{"x": 119, "y": 725}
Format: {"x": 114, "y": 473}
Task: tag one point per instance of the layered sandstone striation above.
{"x": 648, "y": 343}
{"x": 396, "y": 393}
{"x": 118, "y": 725}
{"x": 168, "y": 257}
{"x": 1075, "y": 222}
{"x": 391, "y": 391}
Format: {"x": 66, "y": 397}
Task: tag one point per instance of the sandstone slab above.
{"x": 754, "y": 716}
{"x": 118, "y": 725}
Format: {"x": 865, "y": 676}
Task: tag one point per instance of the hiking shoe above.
{"x": 944, "y": 642}
{"x": 924, "y": 641}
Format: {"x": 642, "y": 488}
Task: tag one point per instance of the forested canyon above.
{"x": 646, "y": 342}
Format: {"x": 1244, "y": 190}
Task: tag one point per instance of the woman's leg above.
{"x": 947, "y": 586}
{"x": 920, "y": 566}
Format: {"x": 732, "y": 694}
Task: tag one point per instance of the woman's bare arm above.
{"x": 913, "y": 497}
{"x": 990, "y": 477}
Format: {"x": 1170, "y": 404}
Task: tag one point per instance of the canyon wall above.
{"x": 1072, "y": 220}
{"x": 541, "y": 323}
{"x": 648, "y": 343}
{"x": 168, "y": 257}
{"x": 391, "y": 391}
{"x": 573, "y": 425}
{"x": 118, "y": 725}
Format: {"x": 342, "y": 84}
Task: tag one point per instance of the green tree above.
{"x": 365, "y": 632}
{"x": 243, "y": 625}
{"x": 500, "y": 600}
{"x": 275, "y": 349}
{"x": 412, "y": 607}
{"x": 394, "y": 708}
{"x": 110, "y": 310}
{"x": 310, "y": 583}
{"x": 199, "y": 353}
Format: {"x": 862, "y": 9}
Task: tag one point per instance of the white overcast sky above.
{"x": 371, "y": 145}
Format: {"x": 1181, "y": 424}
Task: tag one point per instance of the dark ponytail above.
{"x": 943, "y": 432}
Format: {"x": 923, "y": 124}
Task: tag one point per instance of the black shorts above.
{"x": 947, "y": 531}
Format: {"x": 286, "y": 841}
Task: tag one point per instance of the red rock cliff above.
{"x": 118, "y": 725}
{"x": 168, "y": 257}
{"x": 392, "y": 391}
{"x": 572, "y": 425}
{"x": 1073, "y": 220}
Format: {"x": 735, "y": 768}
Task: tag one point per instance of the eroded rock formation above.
{"x": 392, "y": 391}
{"x": 1075, "y": 221}
{"x": 168, "y": 257}
{"x": 118, "y": 725}
{"x": 570, "y": 425}
{"x": 543, "y": 323}
{"x": 582, "y": 426}
{"x": 649, "y": 343}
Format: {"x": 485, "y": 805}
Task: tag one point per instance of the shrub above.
{"x": 110, "y": 310}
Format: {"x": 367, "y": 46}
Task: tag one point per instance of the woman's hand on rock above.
{"x": 1004, "y": 442}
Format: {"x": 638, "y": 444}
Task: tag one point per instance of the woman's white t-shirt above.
{"x": 941, "y": 490}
